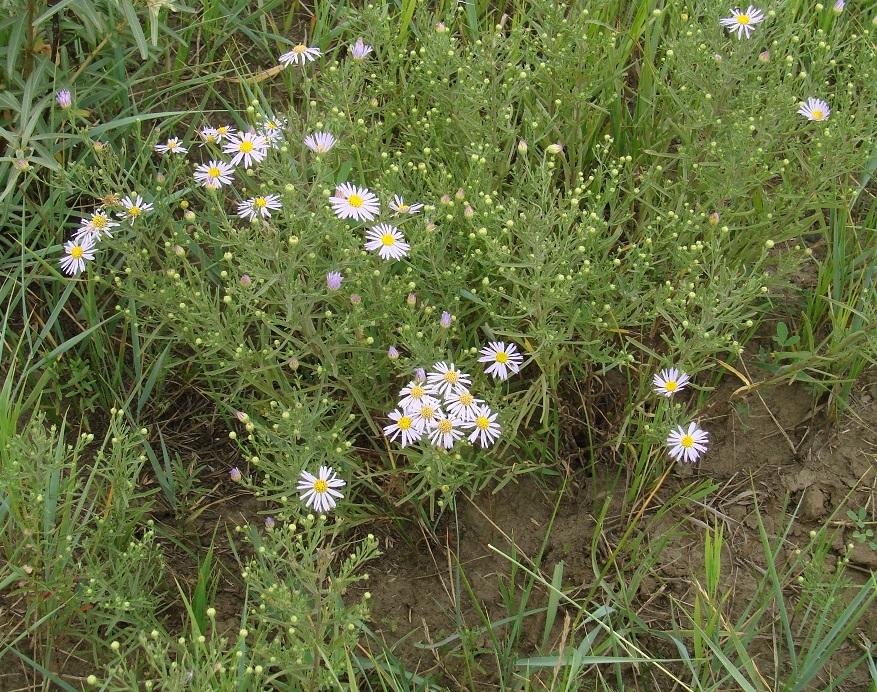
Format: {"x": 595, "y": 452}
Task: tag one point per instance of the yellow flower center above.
{"x": 405, "y": 423}
{"x": 99, "y": 221}
{"x": 320, "y": 486}
{"x": 743, "y": 19}
{"x": 502, "y": 357}
{"x": 300, "y": 48}
{"x": 321, "y": 149}
{"x": 403, "y": 208}
{"x": 445, "y": 426}
{"x": 246, "y": 146}
{"x": 818, "y": 115}
{"x": 687, "y": 441}
{"x": 172, "y": 144}
{"x": 671, "y": 386}
{"x": 451, "y": 377}
{"x": 222, "y": 130}
{"x": 416, "y": 392}
{"x": 388, "y": 240}
{"x": 426, "y": 412}
{"x": 133, "y": 211}
{"x": 76, "y": 252}
{"x": 260, "y": 202}
{"x": 213, "y": 172}
{"x": 482, "y": 423}
{"x": 357, "y": 201}
{"x": 466, "y": 399}
{"x": 210, "y": 138}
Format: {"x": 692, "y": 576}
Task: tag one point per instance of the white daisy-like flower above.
{"x": 224, "y": 131}
{"x": 447, "y": 430}
{"x": 96, "y": 227}
{"x": 320, "y": 142}
{"x": 388, "y": 241}
{"x": 687, "y": 445}
{"x": 172, "y": 146}
{"x": 300, "y": 54}
{"x": 352, "y": 202}
{"x": 415, "y": 393}
{"x": 485, "y": 429}
{"x": 360, "y": 50}
{"x": 814, "y": 109}
{"x": 403, "y": 426}
{"x": 248, "y": 147}
{"x": 76, "y": 253}
{"x": 214, "y": 175}
{"x": 426, "y": 414}
{"x": 446, "y": 379}
{"x": 502, "y": 358}
{"x": 743, "y": 22}
{"x": 398, "y": 205}
{"x": 272, "y": 130}
{"x": 462, "y": 404}
{"x": 133, "y": 209}
{"x": 669, "y": 381}
{"x": 209, "y": 135}
{"x": 319, "y": 492}
{"x": 259, "y": 206}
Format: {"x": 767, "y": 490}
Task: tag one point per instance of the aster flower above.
{"x": 224, "y": 131}
{"x": 393, "y": 353}
{"x": 398, "y": 205}
{"x": 814, "y": 109}
{"x": 235, "y": 474}
{"x": 259, "y": 206}
{"x": 669, "y": 381}
{"x": 743, "y": 22}
{"x": 320, "y": 142}
{"x": 76, "y": 253}
{"x": 404, "y": 426}
{"x": 462, "y": 404}
{"x": 333, "y": 280}
{"x": 502, "y": 358}
{"x": 447, "y": 430}
{"x": 360, "y": 50}
{"x": 133, "y": 209}
{"x": 214, "y": 175}
{"x": 97, "y": 226}
{"x": 839, "y": 6}
{"x": 687, "y": 445}
{"x": 64, "y": 99}
{"x": 352, "y": 202}
{"x": 319, "y": 492}
{"x": 209, "y": 135}
{"x": 426, "y": 414}
{"x": 446, "y": 379}
{"x": 299, "y": 55}
{"x": 172, "y": 146}
{"x": 445, "y": 320}
{"x": 414, "y": 394}
{"x": 485, "y": 429}
{"x": 272, "y": 130}
{"x": 420, "y": 375}
{"x": 248, "y": 147}
{"x": 388, "y": 241}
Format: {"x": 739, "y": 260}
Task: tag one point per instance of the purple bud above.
{"x": 445, "y": 320}
{"x": 356, "y": 299}
{"x": 392, "y": 353}
{"x": 241, "y": 416}
{"x": 235, "y": 474}
{"x": 246, "y": 280}
{"x": 554, "y": 148}
{"x": 468, "y": 212}
{"x": 64, "y": 99}
{"x": 269, "y": 523}
{"x": 179, "y": 252}
{"x": 333, "y": 280}
{"x": 430, "y": 227}
{"x": 412, "y": 299}
{"x": 461, "y": 194}
{"x": 446, "y": 199}
{"x": 420, "y": 375}
{"x": 159, "y": 178}
{"x": 714, "y": 218}
{"x": 293, "y": 363}
{"x": 764, "y": 56}
{"x": 522, "y": 147}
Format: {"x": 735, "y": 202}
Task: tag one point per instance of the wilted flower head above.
{"x": 360, "y": 50}
{"x": 64, "y": 99}
{"x": 333, "y": 280}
